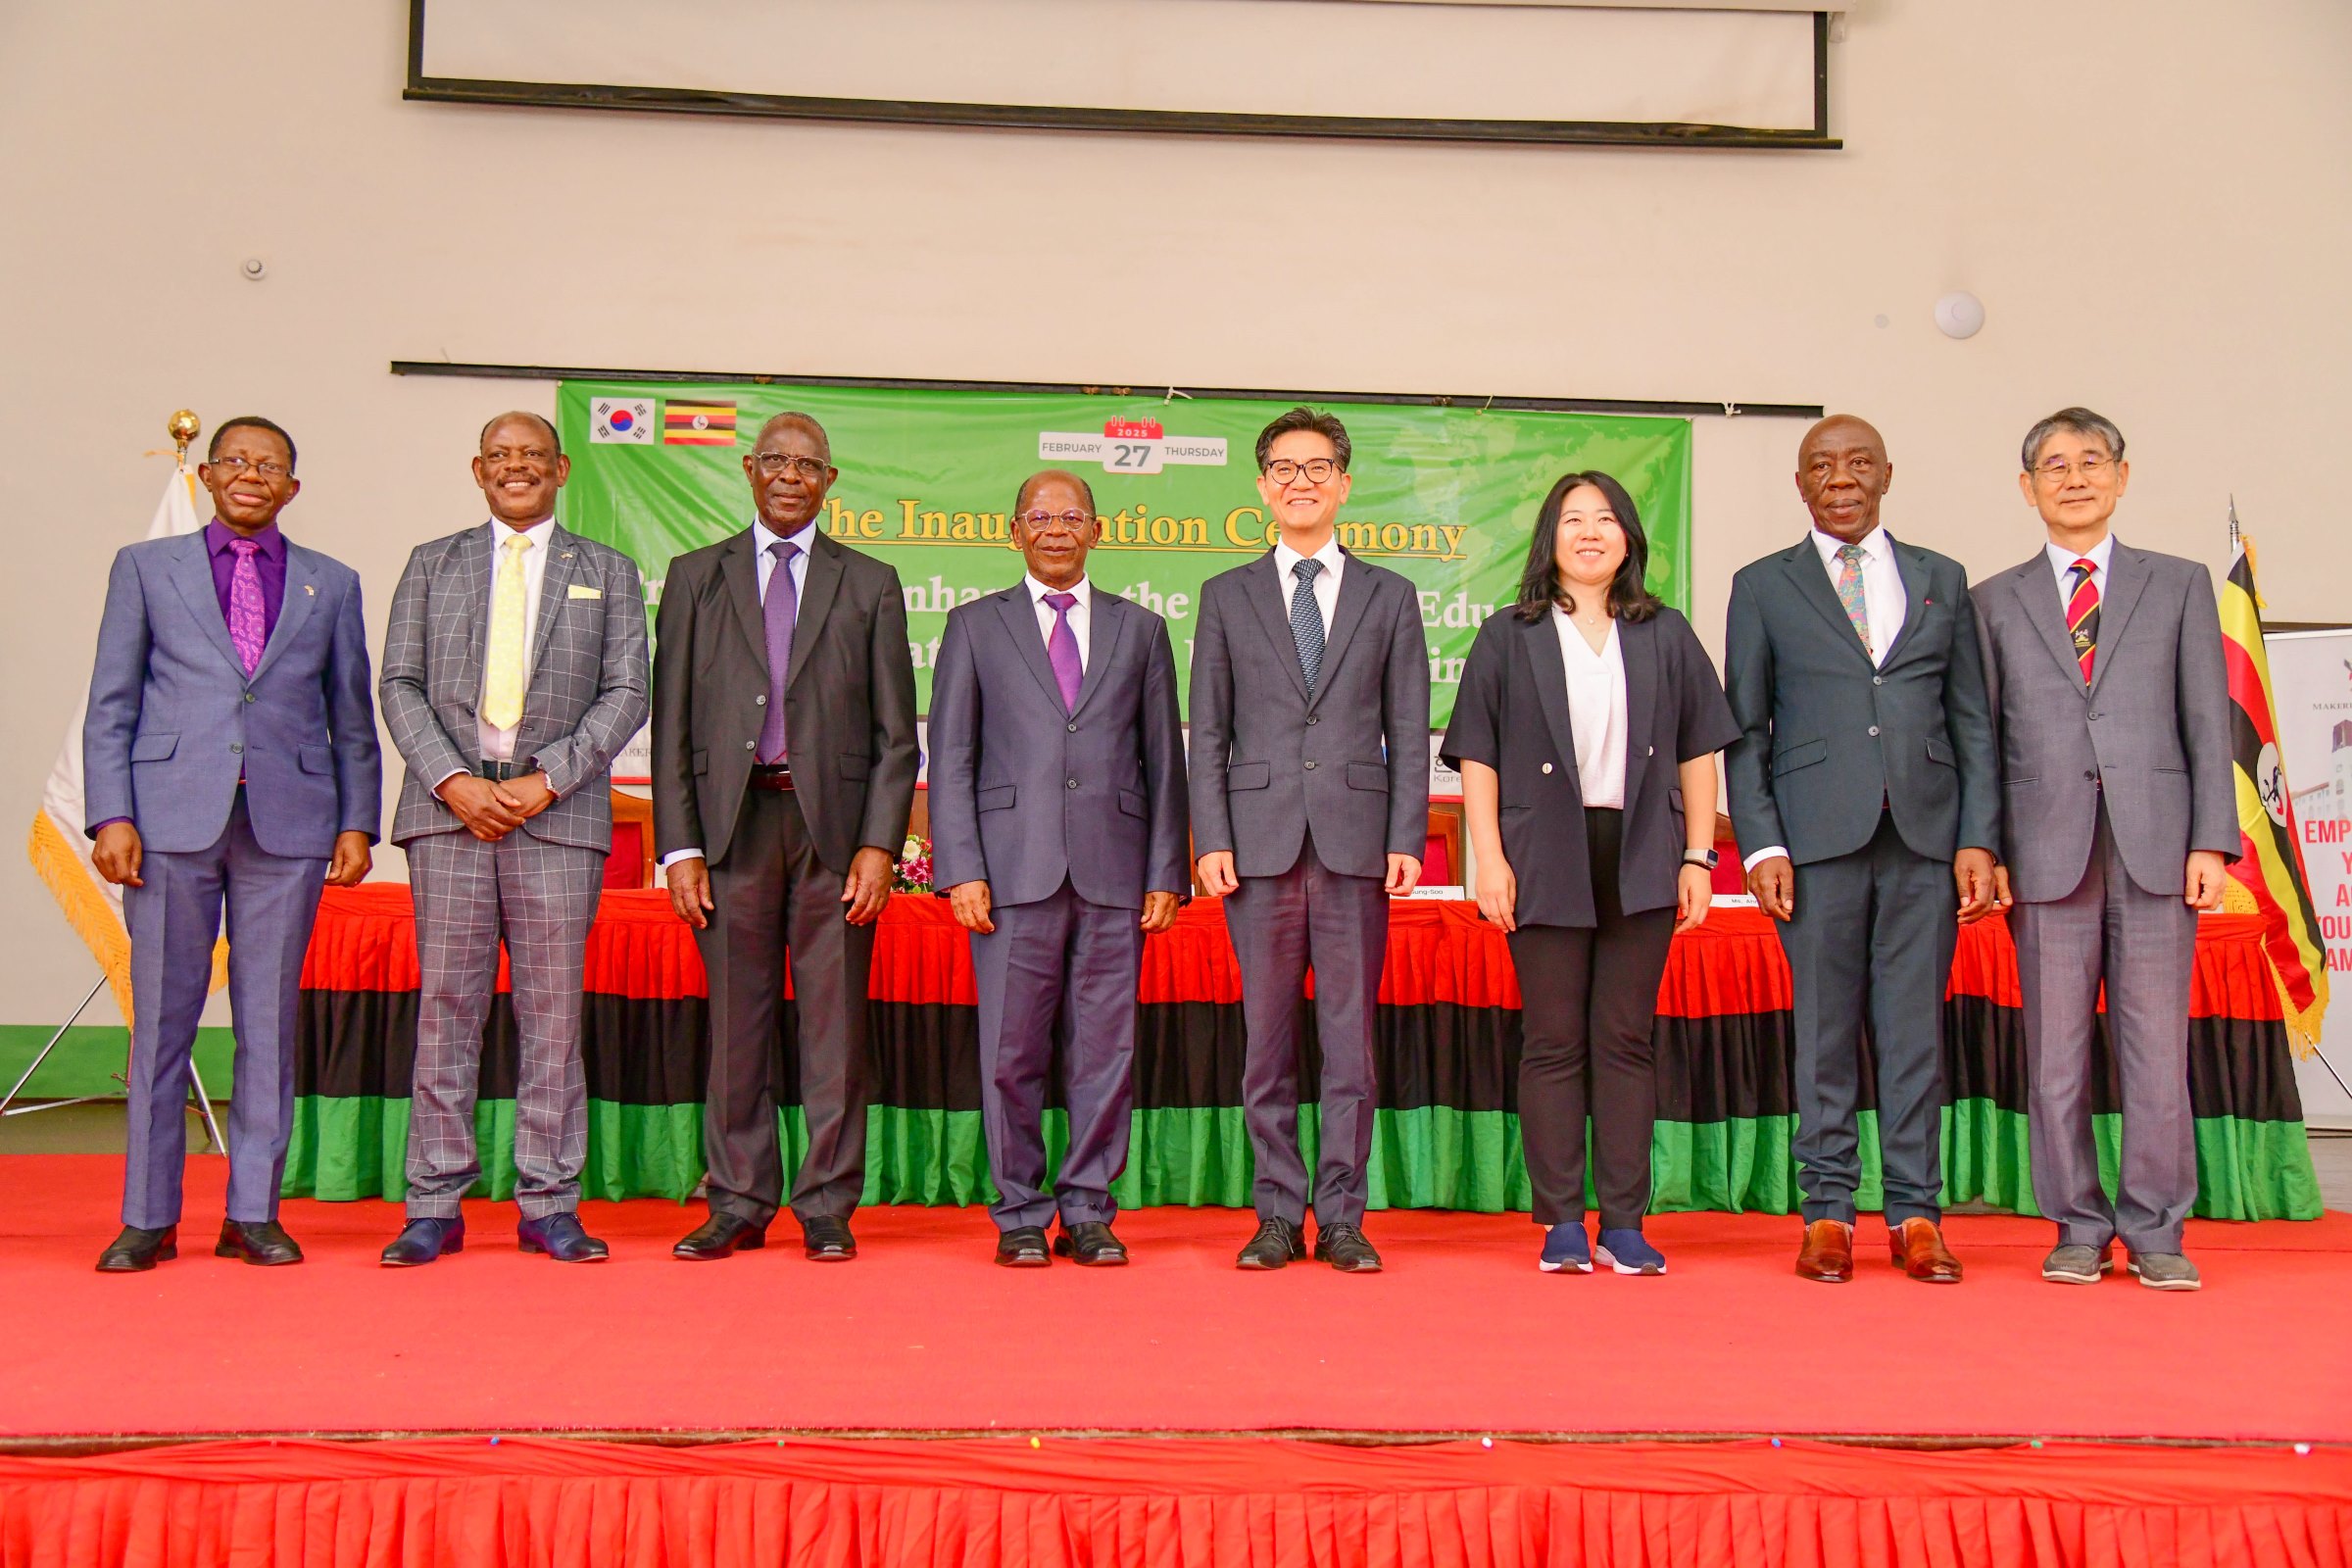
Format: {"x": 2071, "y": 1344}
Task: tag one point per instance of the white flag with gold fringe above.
{"x": 59, "y": 846}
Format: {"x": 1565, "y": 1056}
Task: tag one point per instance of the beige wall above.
{"x": 2152, "y": 199}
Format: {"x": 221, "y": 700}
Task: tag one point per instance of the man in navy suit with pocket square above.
{"x": 1057, "y": 832}
{"x": 230, "y": 762}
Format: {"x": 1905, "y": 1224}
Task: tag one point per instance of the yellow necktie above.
{"x": 502, "y": 686}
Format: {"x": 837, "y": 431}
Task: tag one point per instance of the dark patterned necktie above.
{"x": 2082, "y": 618}
{"x": 1307, "y": 619}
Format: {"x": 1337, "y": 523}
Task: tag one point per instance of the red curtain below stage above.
{"x": 366, "y": 940}
{"x": 551, "y": 1504}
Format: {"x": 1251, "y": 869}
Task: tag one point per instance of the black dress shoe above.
{"x": 424, "y": 1239}
{"x": 1276, "y": 1244}
{"x": 1345, "y": 1248}
{"x": 262, "y": 1242}
{"x": 1091, "y": 1244}
{"x": 135, "y": 1250}
{"x": 827, "y": 1240}
{"x": 561, "y": 1237}
{"x": 1025, "y": 1247}
{"x": 720, "y": 1235}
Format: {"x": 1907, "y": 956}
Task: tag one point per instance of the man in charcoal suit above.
{"x": 1058, "y": 831}
{"x": 784, "y": 762}
{"x": 1310, "y": 809}
{"x": 514, "y": 672}
{"x": 2111, "y": 702}
{"x": 1862, "y": 793}
{"x": 231, "y": 761}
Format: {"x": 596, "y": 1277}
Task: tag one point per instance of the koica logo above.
{"x": 1131, "y": 446}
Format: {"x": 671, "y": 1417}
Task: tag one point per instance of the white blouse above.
{"x": 1596, "y": 712}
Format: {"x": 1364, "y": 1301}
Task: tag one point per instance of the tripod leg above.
{"x": 204, "y": 1105}
{"x": 25, "y": 1077}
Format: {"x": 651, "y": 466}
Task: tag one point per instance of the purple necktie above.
{"x": 245, "y": 628}
{"x": 1061, "y": 650}
{"x": 780, "y": 610}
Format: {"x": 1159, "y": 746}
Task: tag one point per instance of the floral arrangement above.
{"x": 913, "y": 873}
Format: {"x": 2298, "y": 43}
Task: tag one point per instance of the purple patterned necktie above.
{"x": 779, "y": 610}
{"x": 245, "y": 606}
{"x": 1061, "y": 650}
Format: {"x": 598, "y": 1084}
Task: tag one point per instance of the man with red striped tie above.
{"x": 2117, "y": 815}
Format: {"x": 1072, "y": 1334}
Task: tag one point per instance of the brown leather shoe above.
{"x": 1919, "y": 1251}
{"x": 1827, "y": 1254}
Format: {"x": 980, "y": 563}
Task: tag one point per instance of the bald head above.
{"x": 805, "y": 422}
{"x": 1842, "y": 473}
{"x": 527, "y": 422}
{"x": 1085, "y": 492}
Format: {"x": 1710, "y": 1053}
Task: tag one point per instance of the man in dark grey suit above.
{"x": 2120, "y": 815}
{"x": 1310, "y": 809}
{"x": 1862, "y": 794}
{"x": 514, "y": 673}
{"x": 784, "y": 761}
{"x": 1057, "y": 813}
{"x": 230, "y": 764}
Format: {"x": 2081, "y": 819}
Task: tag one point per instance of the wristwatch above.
{"x": 1701, "y": 858}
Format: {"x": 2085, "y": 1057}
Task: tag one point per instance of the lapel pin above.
{"x": 308, "y": 589}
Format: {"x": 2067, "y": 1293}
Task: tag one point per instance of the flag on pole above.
{"x": 58, "y": 847}
{"x": 2266, "y": 879}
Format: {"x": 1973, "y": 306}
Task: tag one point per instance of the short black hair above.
{"x": 251, "y": 422}
{"x": 1326, "y": 425}
{"x": 1540, "y": 586}
{"x": 1022, "y": 496}
{"x": 497, "y": 420}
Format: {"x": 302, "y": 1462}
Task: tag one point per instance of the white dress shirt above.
{"x": 1595, "y": 710}
{"x": 1081, "y": 614}
{"x": 1881, "y": 585}
{"x": 2062, "y": 562}
{"x": 1327, "y": 581}
{"x": 1883, "y": 600}
{"x": 764, "y": 541}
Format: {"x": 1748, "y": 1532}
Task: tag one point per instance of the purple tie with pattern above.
{"x": 245, "y": 617}
{"x": 1061, "y": 651}
{"x": 780, "y": 610}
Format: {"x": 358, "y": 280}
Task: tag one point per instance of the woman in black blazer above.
{"x": 1585, "y": 731}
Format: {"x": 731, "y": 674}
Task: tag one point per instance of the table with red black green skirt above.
{"x": 1446, "y": 1133}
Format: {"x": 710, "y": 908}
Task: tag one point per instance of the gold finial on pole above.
{"x": 184, "y": 428}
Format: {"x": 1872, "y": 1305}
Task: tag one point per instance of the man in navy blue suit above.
{"x": 230, "y": 761}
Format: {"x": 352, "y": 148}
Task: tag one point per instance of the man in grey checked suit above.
{"x": 229, "y": 758}
{"x": 1310, "y": 809}
{"x": 514, "y": 671}
{"x": 1057, "y": 818}
{"x": 1862, "y": 792}
{"x": 2119, "y": 815}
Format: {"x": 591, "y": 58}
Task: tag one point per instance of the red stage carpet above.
{"x": 924, "y": 1335}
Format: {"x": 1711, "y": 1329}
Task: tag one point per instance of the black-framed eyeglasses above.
{"x": 1043, "y": 522}
{"x": 267, "y": 468}
{"x": 1315, "y": 470}
{"x": 773, "y": 463}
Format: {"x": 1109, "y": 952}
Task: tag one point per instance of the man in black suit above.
{"x": 1310, "y": 809}
{"x": 784, "y": 762}
{"x": 1057, "y": 832}
{"x": 1863, "y": 792}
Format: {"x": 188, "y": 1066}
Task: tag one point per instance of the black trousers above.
{"x": 1589, "y": 997}
{"x": 771, "y": 893}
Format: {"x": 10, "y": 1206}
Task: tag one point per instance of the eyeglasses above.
{"x": 773, "y": 463}
{"x": 1055, "y": 521}
{"x": 267, "y": 468}
{"x": 1314, "y": 470}
{"x": 2091, "y": 467}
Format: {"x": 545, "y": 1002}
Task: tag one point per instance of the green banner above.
{"x": 1444, "y": 495}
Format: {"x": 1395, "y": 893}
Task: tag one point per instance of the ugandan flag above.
{"x": 2266, "y": 879}
{"x": 698, "y": 424}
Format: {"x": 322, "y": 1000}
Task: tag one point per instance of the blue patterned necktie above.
{"x": 1307, "y": 619}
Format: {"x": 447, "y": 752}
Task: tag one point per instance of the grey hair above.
{"x": 2082, "y": 422}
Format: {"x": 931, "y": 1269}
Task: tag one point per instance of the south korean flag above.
{"x": 629, "y": 420}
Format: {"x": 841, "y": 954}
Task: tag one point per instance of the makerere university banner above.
{"x": 1445, "y": 496}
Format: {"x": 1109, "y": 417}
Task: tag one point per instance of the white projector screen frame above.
{"x": 1741, "y": 75}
